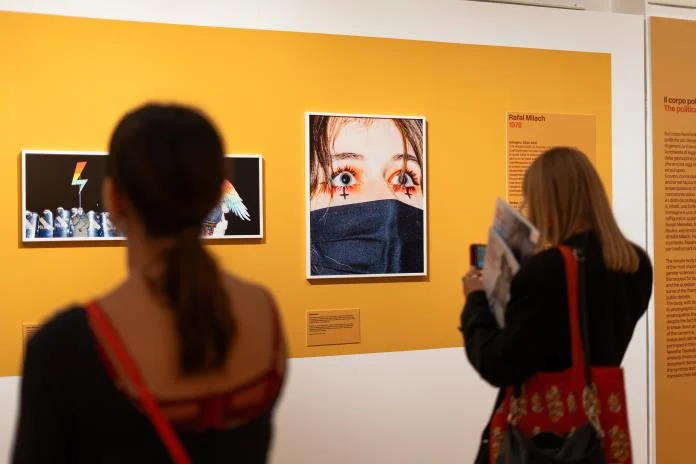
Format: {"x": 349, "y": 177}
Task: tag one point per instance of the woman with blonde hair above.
{"x": 565, "y": 200}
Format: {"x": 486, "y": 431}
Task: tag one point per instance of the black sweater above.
{"x": 71, "y": 411}
{"x": 536, "y": 335}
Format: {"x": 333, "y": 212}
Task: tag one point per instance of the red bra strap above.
{"x": 572, "y": 283}
{"x": 101, "y": 325}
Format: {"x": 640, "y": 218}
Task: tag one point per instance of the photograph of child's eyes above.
{"x": 366, "y": 195}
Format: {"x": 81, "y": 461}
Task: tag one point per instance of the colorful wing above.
{"x": 234, "y": 202}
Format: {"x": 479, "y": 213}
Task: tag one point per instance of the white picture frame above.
{"x": 308, "y": 154}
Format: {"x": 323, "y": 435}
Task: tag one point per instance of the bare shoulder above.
{"x": 254, "y": 305}
{"x": 247, "y": 292}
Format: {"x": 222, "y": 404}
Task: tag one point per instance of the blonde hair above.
{"x": 564, "y": 196}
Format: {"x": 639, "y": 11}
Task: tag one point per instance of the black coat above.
{"x": 536, "y": 335}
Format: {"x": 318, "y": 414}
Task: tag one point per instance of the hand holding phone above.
{"x": 477, "y": 255}
{"x": 472, "y": 281}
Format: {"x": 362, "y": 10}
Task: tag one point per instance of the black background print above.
{"x": 48, "y": 185}
{"x": 49, "y": 177}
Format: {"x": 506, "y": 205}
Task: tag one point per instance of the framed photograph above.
{"x": 61, "y": 198}
{"x": 366, "y": 195}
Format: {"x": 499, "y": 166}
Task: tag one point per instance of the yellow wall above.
{"x": 65, "y": 82}
{"x": 673, "y": 43}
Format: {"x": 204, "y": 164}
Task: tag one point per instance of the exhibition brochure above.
{"x": 518, "y": 233}
{"x": 511, "y": 241}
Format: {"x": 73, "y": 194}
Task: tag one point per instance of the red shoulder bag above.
{"x": 564, "y": 405}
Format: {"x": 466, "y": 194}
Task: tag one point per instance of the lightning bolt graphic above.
{"x": 79, "y": 167}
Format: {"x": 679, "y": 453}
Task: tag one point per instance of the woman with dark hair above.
{"x": 208, "y": 346}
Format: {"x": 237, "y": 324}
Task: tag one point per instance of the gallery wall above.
{"x": 257, "y": 91}
{"x": 669, "y": 430}
{"x": 361, "y": 396}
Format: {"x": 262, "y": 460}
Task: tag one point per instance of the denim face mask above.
{"x": 375, "y": 237}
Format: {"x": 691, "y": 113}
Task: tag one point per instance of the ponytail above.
{"x": 167, "y": 161}
{"x": 194, "y": 292}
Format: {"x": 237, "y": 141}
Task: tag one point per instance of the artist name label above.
{"x": 526, "y": 117}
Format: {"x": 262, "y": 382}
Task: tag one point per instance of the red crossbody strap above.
{"x": 572, "y": 283}
{"x": 160, "y": 422}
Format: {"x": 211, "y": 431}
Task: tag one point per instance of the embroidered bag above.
{"x": 574, "y": 416}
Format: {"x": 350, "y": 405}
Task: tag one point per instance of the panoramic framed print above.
{"x": 61, "y": 198}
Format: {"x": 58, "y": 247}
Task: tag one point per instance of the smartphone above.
{"x": 477, "y": 253}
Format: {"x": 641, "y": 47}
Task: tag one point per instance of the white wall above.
{"x": 427, "y": 406}
{"x": 9, "y": 395}
{"x": 671, "y": 12}
{"x": 628, "y": 6}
